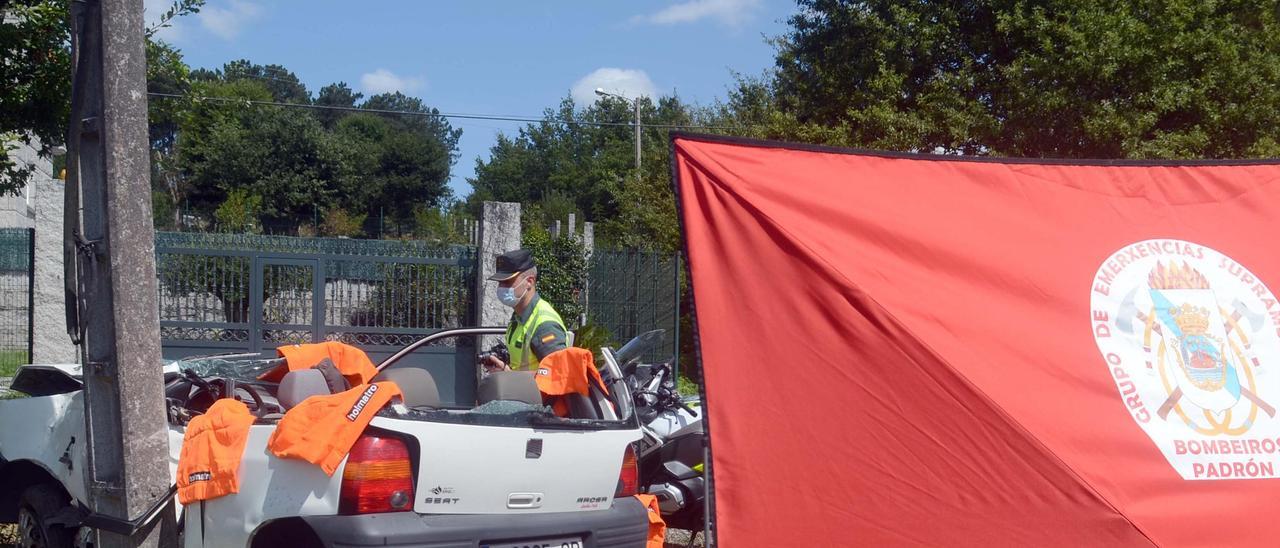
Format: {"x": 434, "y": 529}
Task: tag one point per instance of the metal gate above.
{"x": 223, "y": 293}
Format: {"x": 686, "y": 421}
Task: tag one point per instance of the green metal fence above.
{"x": 256, "y": 292}
{"x": 631, "y": 292}
{"x": 15, "y": 298}
{"x": 235, "y": 292}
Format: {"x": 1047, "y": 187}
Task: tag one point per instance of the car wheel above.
{"x": 37, "y": 504}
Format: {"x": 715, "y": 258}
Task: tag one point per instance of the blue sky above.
{"x": 491, "y": 57}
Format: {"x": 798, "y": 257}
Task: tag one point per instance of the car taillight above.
{"x": 378, "y": 477}
{"x": 629, "y": 477}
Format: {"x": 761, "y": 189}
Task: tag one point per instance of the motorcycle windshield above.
{"x": 637, "y": 347}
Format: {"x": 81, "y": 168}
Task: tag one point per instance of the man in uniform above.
{"x": 536, "y": 329}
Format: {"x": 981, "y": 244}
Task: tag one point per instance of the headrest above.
{"x": 300, "y": 385}
{"x": 417, "y": 386}
{"x": 509, "y": 386}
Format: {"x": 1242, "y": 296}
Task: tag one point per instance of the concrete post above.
{"x": 499, "y": 233}
{"x": 588, "y": 247}
{"x": 127, "y": 439}
{"x": 52, "y": 344}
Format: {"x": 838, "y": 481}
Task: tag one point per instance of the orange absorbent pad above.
{"x": 567, "y": 371}
{"x": 322, "y": 429}
{"x": 351, "y": 361}
{"x": 657, "y": 527}
{"x": 209, "y": 464}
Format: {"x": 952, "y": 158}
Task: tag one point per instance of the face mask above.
{"x": 507, "y": 296}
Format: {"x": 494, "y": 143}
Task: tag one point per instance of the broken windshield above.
{"x": 247, "y": 367}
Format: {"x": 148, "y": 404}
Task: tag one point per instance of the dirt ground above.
{"x": 8, "y": 535}
{"x": 679, "y": 538}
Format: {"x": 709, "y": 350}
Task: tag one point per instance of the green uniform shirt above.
{"x": 534, "y": 334}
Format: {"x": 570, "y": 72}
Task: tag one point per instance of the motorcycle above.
{"x": 671, "y": 452}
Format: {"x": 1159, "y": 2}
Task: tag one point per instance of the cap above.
{"x": 512, "y": 263}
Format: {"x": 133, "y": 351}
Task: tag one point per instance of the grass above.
{"x": 10, "y": 360}
{"x": 686, "y": 387}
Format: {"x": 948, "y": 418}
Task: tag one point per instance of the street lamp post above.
{"x": 636, "y": 102}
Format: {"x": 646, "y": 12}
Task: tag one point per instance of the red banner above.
{"x": 915, "y": 349}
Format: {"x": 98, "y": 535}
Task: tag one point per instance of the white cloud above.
{"x": 226, "y": 23}
{"x": 151, "y": 12}
{"x": 630, "y": 83}
{"x": 385, "y": 81}
{"x": 730, "y": 12}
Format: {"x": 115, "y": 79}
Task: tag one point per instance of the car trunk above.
{"x": 471, "y": 463}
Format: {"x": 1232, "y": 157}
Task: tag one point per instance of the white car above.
{"x": 503, "y": 473}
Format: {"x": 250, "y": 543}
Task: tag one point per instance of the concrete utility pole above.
{"x": 636, "y": 102}
{"x": 115, "y": 315}
{"x": 637, "y": 134}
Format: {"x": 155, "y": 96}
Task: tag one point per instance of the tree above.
{"x": 166, "y": 73}
{"x": 1135, "y": 79}
{"x": 586, "y": 156}
{"x": 365, "y": 166}
{"x": 35, "y": 83}
{"x": 336, "y": 95}
{"x": 282, "y": 155}
{"x": 239, "y": 212}
{"x": 398, "y": 166}
{"x": 284, "y": 86}
{"x": 426, "y": 120}
{"x": 35, "y": 76}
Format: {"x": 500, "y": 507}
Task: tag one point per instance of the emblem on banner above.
{"x": 1189, "y": 336}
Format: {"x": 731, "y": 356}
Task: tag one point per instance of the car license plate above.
{"x": 573, "y": 542}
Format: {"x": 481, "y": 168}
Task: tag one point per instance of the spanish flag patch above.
{"x": 548, "y": 338}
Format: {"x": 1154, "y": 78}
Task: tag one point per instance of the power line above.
{"x": 460, "y": 116}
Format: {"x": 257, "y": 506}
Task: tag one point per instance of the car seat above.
{"x": 417, "y": 386}
{"x": 509, "y": 386}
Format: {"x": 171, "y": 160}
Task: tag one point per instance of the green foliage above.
{"x": 338, "y": 222}
{"x": 439, "y": 224}
{"x": 35, "y": 100}
{"x": 336, "y": 95}
{"x": 270, "y": 152}
{"x": 178, "y": 9}
{"x": 555, "y": 168}
{"x": 162, "y": 211}
{"x": 686, "y": 386}
{"x": 1175, "y": 79}
{"x": 239, "y": 212}
{"x": 283, "y": 85}
{"x": 34, "y": 68}
{"x": 166, "y": 73}
{"x": 375, "y": 168}
{"x": 562, "y": 271}
{"x": 11, "y": 360}
{"x": 593, "y": 337}
{"x": 424, "y": 120}
{"x": 545, "y": 212}
{"x": 401, "y": 167}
